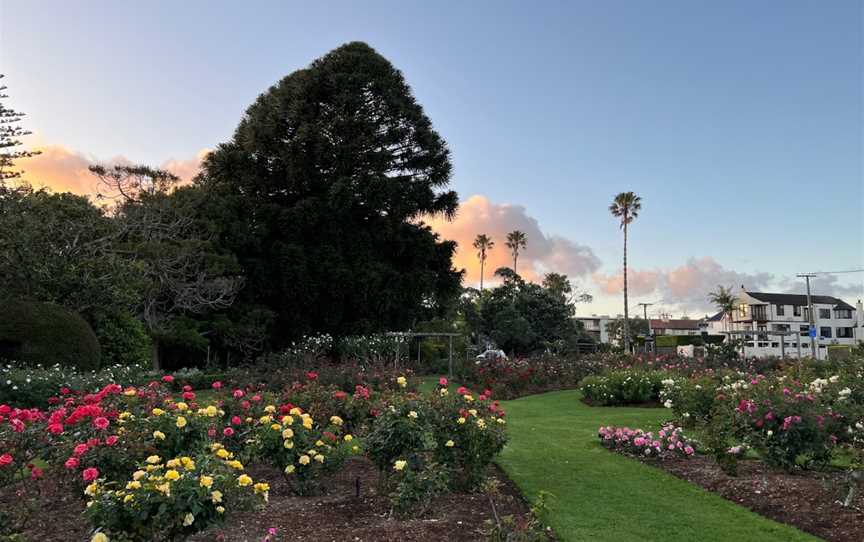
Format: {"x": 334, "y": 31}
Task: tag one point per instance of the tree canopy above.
{"x": 321, "y": 195}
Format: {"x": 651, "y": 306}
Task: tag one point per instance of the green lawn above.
{"x": 605, "y": 496}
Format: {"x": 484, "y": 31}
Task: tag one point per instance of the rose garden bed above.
{"x": 338, "y": 514}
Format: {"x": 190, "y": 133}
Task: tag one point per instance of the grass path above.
{"x": 601, "y": 496}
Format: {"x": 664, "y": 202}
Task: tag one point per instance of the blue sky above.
{"x": 739, "y": 123}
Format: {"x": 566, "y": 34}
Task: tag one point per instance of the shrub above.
{"x": 513, "y": 378}
{"x": 416, "y": 487}
{"x": 669, "y": 440}
{"x": 624, "y": 387}
{"x": 32, "y": 333}
{"x": 692, "y": 399}
{"x": 163, "y": 501}
{"x": 123, "y": 340}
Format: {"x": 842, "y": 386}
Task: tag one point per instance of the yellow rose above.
{"x": 125, "y": 415}
{"x": 91, "y": 489}
{"x": 288, "y": 433}
{"x": 468, "y": 398}
{"x": 188, "y": 520}
{"x": 400, "y": 465}
{"x": 288, "y": 444}
{"x": 402, "y": 381}
{"x": 265, "y": 419}
{"x": 205, "y": 481}
{"x": 164, "y": 488}
{"x": 138, "y": 474}
{"x": 172, "y": 463}
{"x": 211, "y": 411}
{"x": 135, "y": 484}
{"x": 444, "y": 392}
{"x": 181, "y": 422}
{"x": 450, "y": 444}
{"x": 99, "y": 537}
{"x": 319, "y": 458}
{"x": 295, "y": 411}
{"x": 157, "y": 411}
{"x": 216, "y": 496}
{"x": 319, "y": 443}
{"x": 412, "y": 414}
{"x": 244, "y": 480}
{"x": 220, "y": 509}
{"x": 307, "y": 423}
{"x": 304, "y": 460}
{"x": 472, "y": 411}
{"x": 460, "y": 421}
{"x": 182, "y": 406}
{"x": 287, "y": 420}
{"x": 222, "y": 453}
{"x": 347, "y": 438}
{"x": 128, "y": 498}
{"x": 188, "y": 464}
{"x": 130, "y": 392}
{"x": 261, "y": 487}
{"x": 234, "y": 464}
{"x": 172, "y": 475}
{"x": 153, "y": 459}
{"x": 289, "y": 469}
{"x": 276, "y": 427}
{"x": 336, "y": 420}
{"x": 158, "y": 435}
{"x": 270, "y": 409}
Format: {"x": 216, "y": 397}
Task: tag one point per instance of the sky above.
{"x": 739, "y": 123}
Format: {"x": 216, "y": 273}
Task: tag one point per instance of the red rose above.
{"x": 168, "y": 379}
{"x": 189, "y": 396}
{"x": 80, "y": 449}
{"x": 35, "y": 473}
{"x": 5, "y": 459}
{"x": 55, "y": 428}
{"x": 256, "y": 397}
{"x": 236, "y": 420}
{"x": 246, "y": 405}
{"x": 72, "y": 463}
{"x": 312, "y": 375}
{"x": 112, "y": 440}
{"x": 90, "y": 474}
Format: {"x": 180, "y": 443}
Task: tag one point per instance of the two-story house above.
{"x": 836, "y": 322}
{"x": 596, "y": 327}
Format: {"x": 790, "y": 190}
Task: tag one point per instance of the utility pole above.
{"x": 810, "y": 312}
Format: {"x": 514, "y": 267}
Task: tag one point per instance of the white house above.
{"x": 836, "y": 322}
{"x": 669, "y": 326}
{"x": 596, "y": 327}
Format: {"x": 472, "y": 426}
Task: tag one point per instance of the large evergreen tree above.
{"x": 322, "y": 192}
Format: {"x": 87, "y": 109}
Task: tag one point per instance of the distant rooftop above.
{"x": 798, "y": 299}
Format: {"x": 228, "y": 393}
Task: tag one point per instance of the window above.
{"x": 825, "y": 332}
{"x": 796, "y": 310}
{"x": 844, "y": 314}
{"x": 805, "y": 330}
{"x": 781, "y": 310}
{"x": 825, "y": 314}
{"x": 775, "y": 345}
{"x": 844, "y": 332}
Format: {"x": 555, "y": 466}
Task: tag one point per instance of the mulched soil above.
{"x": 808, "y": 500}
{"x": 337, "y": 515}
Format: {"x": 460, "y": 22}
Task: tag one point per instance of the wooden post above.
{"x": 450, "y": 359}
{"x": 783, "y": 347}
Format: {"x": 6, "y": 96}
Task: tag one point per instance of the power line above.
{"x": 833, "y": 272}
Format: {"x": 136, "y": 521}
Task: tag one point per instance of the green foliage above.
{"x": 122, "y": 339}
{"x": 623, "y": 387}
{"x": 417, "y": 487}
{"x": 32, "y": 386}
{"x": 684, "y": 340}
{"x": 524, "y": 317}
{"x": 692, "y": 399}
{"x": 318, "y": 194}
{"x": 33, "y": 333}
{"x": 615, "y": 329}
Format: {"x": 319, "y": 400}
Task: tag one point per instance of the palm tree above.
{"x": 516, "y": 240}
{"x": 724, "y": 300}
{"x": 626, "y": 206}
{"x": 483, "y": 243}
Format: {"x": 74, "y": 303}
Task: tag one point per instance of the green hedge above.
{"x": 33, "y": 333}
{"x": 684, "y": 340}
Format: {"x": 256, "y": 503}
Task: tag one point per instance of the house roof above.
{"x": 716, "y": 318}
{"x": 797, "y": 299}
{"x": 674, "y": 324}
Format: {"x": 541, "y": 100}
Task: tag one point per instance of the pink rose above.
{"x": 90, "y": 474}
{"x": 36, "y": 473}
{"x": 238, "y": 394}
{"x": 236, "y": 420}
{"x": 168, "y": 379}
{"x": 216, "y": 385}
{"x": 211, "y": 432}
{"x": 112, "y": 440}
{"x": 55, "y": 428}
{"x": 71, "y": 463}
{"x": 5, "y": 459}
{"x": 228, "y": 432}
{"x": 101, "y": 423}
{"x": 80, "y": 449}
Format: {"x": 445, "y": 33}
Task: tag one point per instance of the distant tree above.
{"x": 615, "y": 328}
{"x": 560, "y": 285}
{"x": 725, "y": 301}
{"x": 10, "y": 132}
{"x": 181, "y": 269}
{"x": 483, "y": 244}
{"x": 516, "y": 241}
{"x": 321, "y": 195}
{"x": 626, "y": 207}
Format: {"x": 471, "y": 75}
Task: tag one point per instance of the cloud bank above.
{"x": 61, "y": 169}
{"x": 544, "y": 253}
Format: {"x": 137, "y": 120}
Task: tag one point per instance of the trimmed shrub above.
{"x": 625, "y": 387}
{"x": 49, "y": 334}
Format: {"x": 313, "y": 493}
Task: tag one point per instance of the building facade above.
{"x": 596, "y": 327}
{"x": 836, "y": 323}
{"x": 668, "y": 326}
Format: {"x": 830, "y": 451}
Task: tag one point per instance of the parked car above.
{"x": 491, "y": 355}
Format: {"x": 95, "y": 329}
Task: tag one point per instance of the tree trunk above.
{"x": 515, "y": 259}
{"x": 626, "y": 311}
{"x": 154, "y": 354}
{"x": 482, "y": 261}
